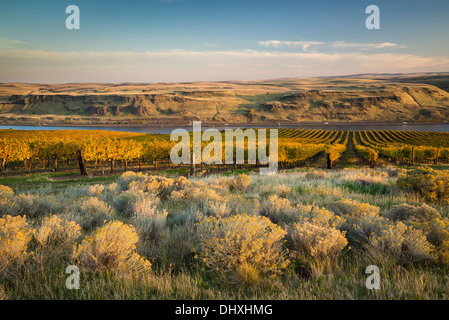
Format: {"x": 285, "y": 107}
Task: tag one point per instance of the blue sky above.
{"x": 193, "y": 40}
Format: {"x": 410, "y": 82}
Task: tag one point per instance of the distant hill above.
{"x": 415, "y": 97}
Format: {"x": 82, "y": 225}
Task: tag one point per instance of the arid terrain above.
{"x": 412, "y": 97}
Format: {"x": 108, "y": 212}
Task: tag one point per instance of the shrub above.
{"x": 278, "y": 210}
{"x": 316, "y": 175}
{"x": 197, "y": 192}
{"x": 238, "y": 183}
{"x": 55, "y": 237}
{"x": 125, "y": 201}
{"x": 160, "y": 186}
{"x": 239, "y": 205}
{"x": 437, "y": 233}
{"x": 112, "y": 188}
{"x": 282, "y": 190}
{"x": 395, "y": 172}
{"x": 8, "y": 207}
{"x": 241, "y": 182}
{"x": 316, "y": 215}
{"x": 353, "y": 208}
{"x": 36, "y": 206}
{"x": 179, "y": 190}
{"x": 317, "y": 241}
{"x": 95, "y": 190}
{"x": 217, "y": 209}
{"x": 404, "y": 212}
{"x": 91, "y": 212}
{"x": 3, "y": 294}
{"x": 128, "y": 177}
{"x": 76, "y": 192}
{"x": 226, "y": 244}
{"x": 112, "y": 248}
{"x": 15, "y": 234}
{"x": 432, "y": 185}
{"x": 5, "y": 192}
{"x": 148, "y": 221}
{"x": 404, "y": 243}
{"x": 359, "y": 229}
{"x": 179, "y": 243}
{"x": 85, "y": 191}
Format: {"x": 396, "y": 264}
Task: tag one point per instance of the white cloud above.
{"x": 184, "y": 65}
{"x": 366, "y": 46}
{"x": 278, "y": 43}
{"x": 6, "y": 43}
{"x": 328, "y": 46}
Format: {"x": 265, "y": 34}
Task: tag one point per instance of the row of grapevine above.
{"x": 367, "y": 153}
{"x": 404, "y": 146}
{"x": 305, "y": 144}
{"x": 48, "y": 147}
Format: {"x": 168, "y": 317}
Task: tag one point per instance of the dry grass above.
{"x": 226, "y": 238}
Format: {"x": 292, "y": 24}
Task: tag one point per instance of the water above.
{"x": 441, "y": 127}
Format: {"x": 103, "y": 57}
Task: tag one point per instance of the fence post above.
{"x": 372, "y": 160}
{"x": 437, "y": 155}
{"x": 82, "y": 163}
{"x": 192, "y": 164}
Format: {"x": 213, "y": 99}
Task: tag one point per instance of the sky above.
{"x": 218, "y": 40}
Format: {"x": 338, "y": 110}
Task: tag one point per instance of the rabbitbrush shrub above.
{"x": 91, "y": 212}
{"x": 125, "y": 201}
{"x": 5, "y": 192}
{"x": 148, "y": 221}
{"x": 241, "y": 182}
{"x": 225, "y": 244}
{"x": 404, "y": 243}
{"x": 404, "y": 212}
{"x": 353, "y": 208}
{"x": 316, "y": 215}
{"x": 36, "y": 205}
{"x": 432, "y": 185}
{"x": 437, "y": 233}
{"x": 128, "y": 177}
{"x": 8, "y": 207}
{"x": 278, "y": 210}
{"x": 317, "y": 241}
{"x": 112, "y": 248}
{"x": 359, "y": 229}
{"x": 15, "y": 234}
{"x": 55, "y": 237}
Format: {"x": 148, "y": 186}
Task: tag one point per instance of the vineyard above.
{"x": 26, "y": 151}
{"x": 152, "y": 232}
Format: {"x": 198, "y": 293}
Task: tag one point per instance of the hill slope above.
{"x": 357, "y": 98}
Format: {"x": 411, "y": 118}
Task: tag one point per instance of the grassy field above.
{"x": 302, "y": 234}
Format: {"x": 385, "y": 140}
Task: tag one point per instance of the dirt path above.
{"x": 350, "y": 158}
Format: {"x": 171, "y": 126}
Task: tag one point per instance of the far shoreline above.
{"x": 210, "y": 124}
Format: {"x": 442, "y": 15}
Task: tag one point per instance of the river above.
{"x": 441, "y": 127}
